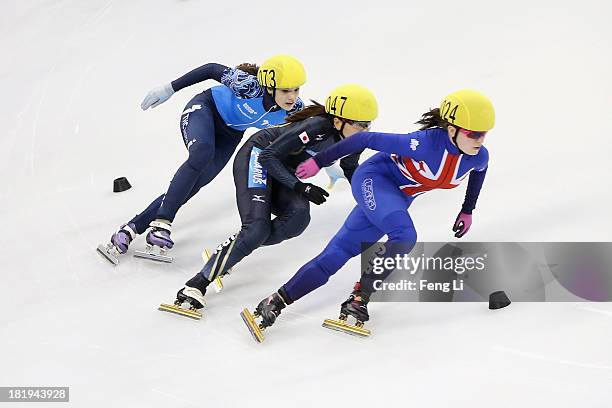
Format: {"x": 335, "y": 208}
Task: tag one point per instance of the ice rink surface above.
{"x": 71, "y": 81}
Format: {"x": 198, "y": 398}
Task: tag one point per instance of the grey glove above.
{"x": 157, "y": 96}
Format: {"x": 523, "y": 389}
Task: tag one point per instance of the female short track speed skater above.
{"x": 265, "y": 182}
{"x": 440, "y": 155}
{"x": 212, "y": 126}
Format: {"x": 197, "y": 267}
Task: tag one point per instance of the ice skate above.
{"x": 356, "y": 306}
{"x": 158, "y": 243}
{"x": 119, "y": 243}
{"x": 189, "y": 299}
{"x": 268, "y": 309}
{"x": 217, "y": 283}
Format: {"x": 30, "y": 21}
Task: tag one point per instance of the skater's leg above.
{"x": 385, "y": 206}
{"x": 142, "y": 220}
{"x": 292, "y": 212}
{"x": 315, "y": 273}
{"x": 381, "y": 209}
{"x": 343, "y": 246}
{"x": 401, "y": 238}
{"x": 225, "y": 146}
{"x": 253, "y": 199}
{"x": 198, "y": 130}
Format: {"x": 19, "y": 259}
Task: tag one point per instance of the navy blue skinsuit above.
{"x": 264, "y": 175}
{"x": 212, "y": 126}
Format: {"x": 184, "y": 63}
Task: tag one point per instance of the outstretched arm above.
{"x": 382, "y": 142}
{"x": 200, "y": 74}
{"x": 161, "y": 94}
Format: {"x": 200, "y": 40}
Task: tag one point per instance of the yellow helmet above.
{"x": 281, "y": 71}
{"x": 353, "y": 102}
{"x": 468, "y": 109}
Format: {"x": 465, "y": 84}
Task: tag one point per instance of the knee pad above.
{"x": 253, "y": 235}
{"x": 399, "y": 227}
{"x": 297, "y": 223}
{"x": 200, "y": 156}
{"x": 333, "y": 257}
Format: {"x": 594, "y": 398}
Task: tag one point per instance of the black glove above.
{"x": 314, "y": 194}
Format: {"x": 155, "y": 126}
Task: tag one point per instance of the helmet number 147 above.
{"x": 332, "y": 104}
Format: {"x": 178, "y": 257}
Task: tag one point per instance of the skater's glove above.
{"x": 157, "y": 96}
{"x": 307, "y": 169}
{"x": 462, "y": 224}
{"x": 314, "y": 194}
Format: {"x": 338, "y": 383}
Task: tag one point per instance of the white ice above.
{"x": 72, "y": 76}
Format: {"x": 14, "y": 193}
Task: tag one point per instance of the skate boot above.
{"x": 268, "y": 309}
{"x": 356, "y": 306}
{"x": 119, "y": 243}
{"x": 189, "y": 299}
{"x": 158, "y": 242}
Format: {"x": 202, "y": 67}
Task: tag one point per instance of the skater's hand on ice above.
{"x": 462, "y": 224}
{"x": 314, "y": 194}
{"x": 157, "y": 96}
{"x": 307, "y": 169}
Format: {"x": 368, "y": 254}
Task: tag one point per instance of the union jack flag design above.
{"x": 424, "y": 178}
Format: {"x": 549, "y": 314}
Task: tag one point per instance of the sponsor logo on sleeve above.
{"x": 367, "y": 191}
{"x": 257, "y": 174}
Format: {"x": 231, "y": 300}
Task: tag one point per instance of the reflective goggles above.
{"x": 473, "y": 134}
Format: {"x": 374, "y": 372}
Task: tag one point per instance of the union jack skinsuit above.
{"x": 384, "y": 186}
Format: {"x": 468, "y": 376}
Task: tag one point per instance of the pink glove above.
{"x": 462, "y": 224}
{"x": 307, "y": 169}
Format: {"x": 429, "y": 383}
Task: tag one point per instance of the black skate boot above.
{"x": 268, "y": 309}
{"x": 189, "y": 299}
{"x": 356, "y": 306}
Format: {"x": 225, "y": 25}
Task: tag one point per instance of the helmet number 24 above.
{"x": 332, "y": 104}
{"x": 267, "y": 78}
{"x": 446, "y": 113}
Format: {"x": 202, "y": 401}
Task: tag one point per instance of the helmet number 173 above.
{"x": 267, "y": 78}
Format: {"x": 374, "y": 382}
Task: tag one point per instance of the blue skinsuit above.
{"x": 384, "y": 186}
{"x": 212, "y": 125}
